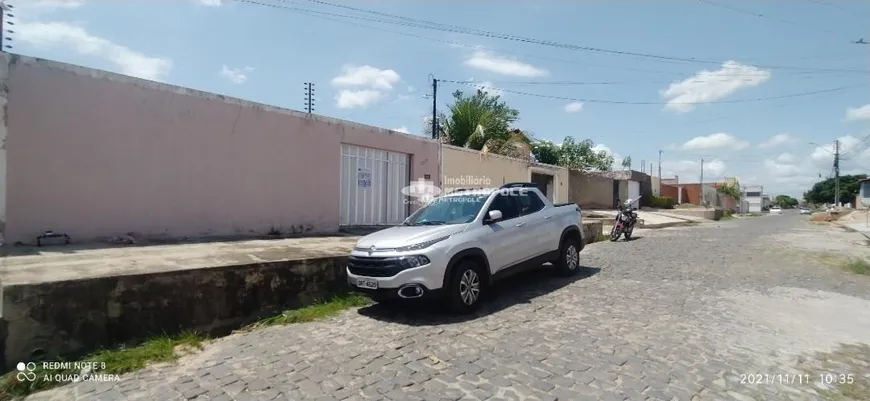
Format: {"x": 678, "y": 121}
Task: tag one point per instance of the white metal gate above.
{"x": 371, "y": 186}
{"x": 633, "y": 189}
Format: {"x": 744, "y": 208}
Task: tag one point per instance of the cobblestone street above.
{"x": 702, "y": 312}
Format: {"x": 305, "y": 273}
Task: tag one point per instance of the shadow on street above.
{"x": 518, "y": 289}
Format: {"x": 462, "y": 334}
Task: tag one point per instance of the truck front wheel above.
{"x": 466, "y": 287}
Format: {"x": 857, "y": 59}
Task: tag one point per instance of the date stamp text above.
{"x": 754, "y": 379}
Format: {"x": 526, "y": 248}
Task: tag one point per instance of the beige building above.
{"x": 467, "y": 168}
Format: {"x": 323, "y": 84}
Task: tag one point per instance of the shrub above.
{"x": 662, "y": 202}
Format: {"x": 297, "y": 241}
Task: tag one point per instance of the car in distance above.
{"x": 805, "y": 210}
{"x": 775, "y": 210}
{"x": 456, "y": 246}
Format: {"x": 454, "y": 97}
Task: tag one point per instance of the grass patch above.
{"x": 602, "y": 237}
{"x": 843, "y": 372}
{"x": 166, "y": 348}
{"x": 115, "y": 361}
{"x": 316, "y": 311}
{"x": 858, "y": 266}
{"x": 852, "y": 264}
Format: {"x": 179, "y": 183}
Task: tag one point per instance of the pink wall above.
{"x": 96, "y": 154}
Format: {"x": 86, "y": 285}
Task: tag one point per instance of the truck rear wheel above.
{"x": 569, "y": 257}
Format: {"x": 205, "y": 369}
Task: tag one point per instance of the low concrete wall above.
{"x": 72, "y": 318}
{"x": 591, "y": 230}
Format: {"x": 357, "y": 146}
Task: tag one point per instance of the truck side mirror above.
{"x": 493, "y": 216}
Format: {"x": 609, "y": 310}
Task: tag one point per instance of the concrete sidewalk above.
{"x": 651, "y": 220}
{"x": 33, "y": 265}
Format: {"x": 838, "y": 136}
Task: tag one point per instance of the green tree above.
{"x": 482, "y": 120}
{"x": 730, "y": 190}
{"x": 626, "y": 163}
{"x": 785, "y": 201}
{"x": 823, "y": 191}
{"x": 546, "y": 152}
{"x": 582, "y": 156}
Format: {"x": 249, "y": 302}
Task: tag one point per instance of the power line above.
{"x": 649, "y": 103}
{"x": 535, "y": 56}
{"x": 756, "y": 14}
{"x": 854, "y": 148}
{"x": 422, "y": 24}
{"x": 837, "y": 7}
{"x": 593, "y": 83}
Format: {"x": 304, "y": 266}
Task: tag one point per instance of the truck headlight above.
{"x": 410, "y": 262}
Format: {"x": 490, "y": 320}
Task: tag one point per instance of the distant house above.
{"x": 754, "y": 195}
{"x": 863, "y": 199}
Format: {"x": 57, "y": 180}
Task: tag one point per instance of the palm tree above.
{"x": 482, "y": 122}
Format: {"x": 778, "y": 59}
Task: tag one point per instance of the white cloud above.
{"x": 211, "y": 3}
{"x": 689, "y": 171}
{"x": 494, "y": 63}
{"x": 411, "y": 89}
{"x": 793, "y": 174}
{"x": 574, "y": 107}
{"x": 402, "y": 129}
{"x": 367, "y": 76}
{"x": 46, "y": 6}
{"x": 350, "y": 99}
{"x": 715, "y": 141}
{"x": 787, "y": 158}
{"x": 709, "y": 86}
{"x": 825, "y": 154}
{"x": 858, "y": 113}
{"x": 236, "y": 75}
{"x": 373, "y": 83}
{"x": 62, "y": 34}
{"x": 776, "y": 140}
{"x": 489, "y": 87}
{"x": 781, "y": 169}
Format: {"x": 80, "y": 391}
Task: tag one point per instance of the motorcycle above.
{"x": 623, "y": 223}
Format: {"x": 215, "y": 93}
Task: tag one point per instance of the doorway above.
{"x": 545, "y": 184}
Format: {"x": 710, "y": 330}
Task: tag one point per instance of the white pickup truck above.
{"x": 459, "y": 244}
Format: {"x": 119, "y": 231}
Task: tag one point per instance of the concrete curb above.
{"x": 668, "y": 225}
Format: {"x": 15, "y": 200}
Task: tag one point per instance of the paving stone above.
{"x": 652, "y": 323}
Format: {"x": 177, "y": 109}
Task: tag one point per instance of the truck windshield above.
{"x": 459, "y": 209}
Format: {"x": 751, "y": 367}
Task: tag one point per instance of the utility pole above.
{"x": 660, "y": 172}
{"x": 309, "y": 97}
{"x": 435, "y": 134}
{"x": 837, "y": 173}
{"x": 703, "y": 198}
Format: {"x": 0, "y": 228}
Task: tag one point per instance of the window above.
{"x": 506, "y": 205}
{"x": 458, "y": 209}
{"x": 753, "y": 194}
{"x": 529, "y": 202}
{"x": 865, "y": 189}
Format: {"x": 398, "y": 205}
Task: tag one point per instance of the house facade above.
{"x": 95, "y": 154}
{"x": 862, "y": 201}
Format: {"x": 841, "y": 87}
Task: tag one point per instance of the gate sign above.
{"x": 364, "y": 177}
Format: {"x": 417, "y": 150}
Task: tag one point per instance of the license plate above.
{"x": 366, "y": 283}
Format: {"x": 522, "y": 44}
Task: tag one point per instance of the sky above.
{"x": 758, "y": 90}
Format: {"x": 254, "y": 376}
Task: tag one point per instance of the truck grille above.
{"x": 374, "y": 266}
